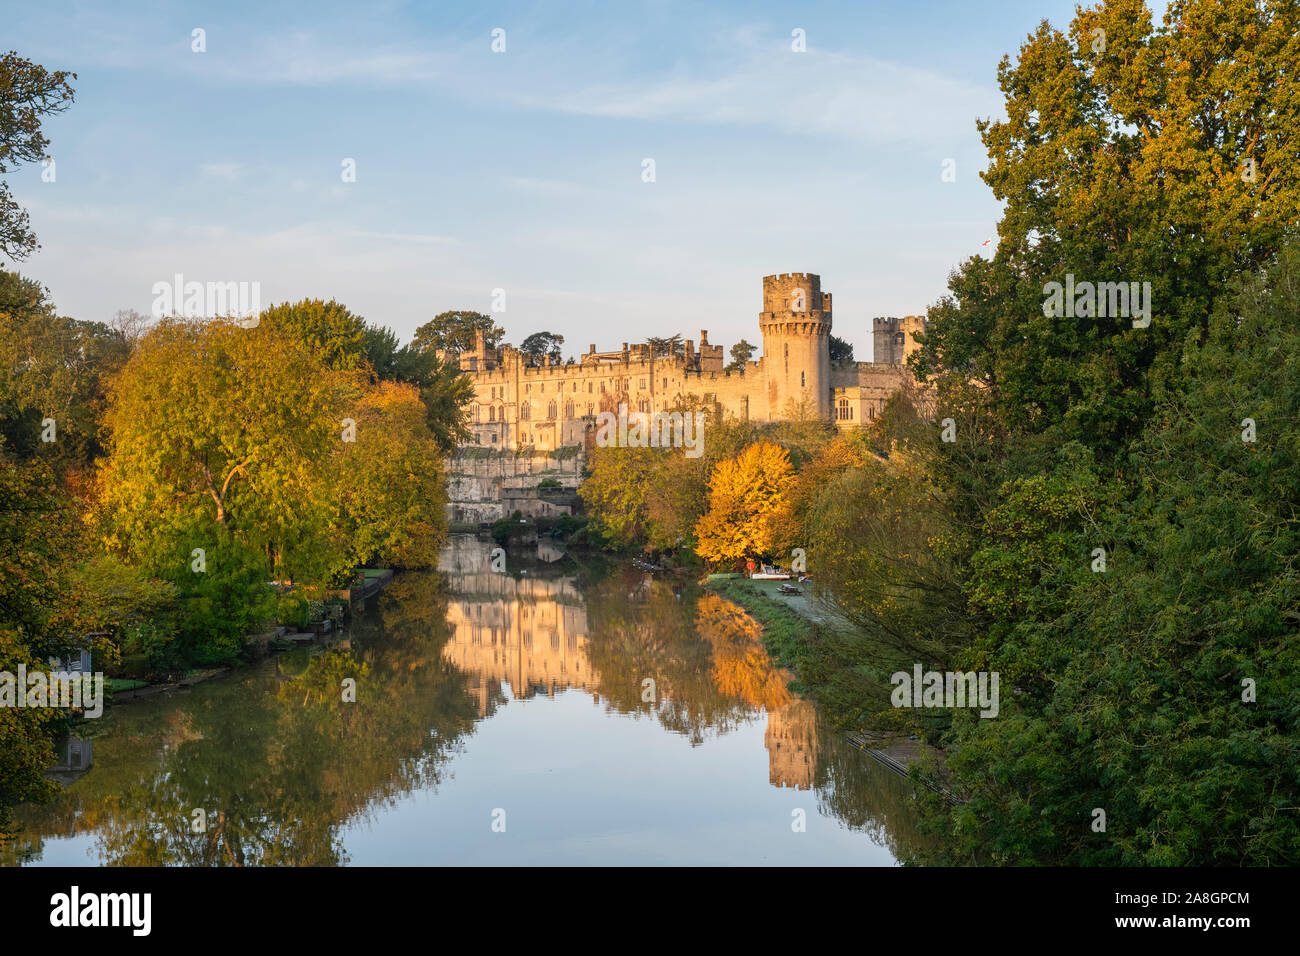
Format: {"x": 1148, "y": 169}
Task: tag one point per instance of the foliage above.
{"x": 292, "y": 610}
{"x": 741, "y": 353}
{"x": 744, "y": 496}
{"x": 52, "y": 367}
{"x": 28, "y": 94}
{"x": 32, "y": 548}
{"x": 389, "y": 485}
{"x": 841, "y": 351}
{"x": 540, "y": 345}
{"x": 455, "y": 331}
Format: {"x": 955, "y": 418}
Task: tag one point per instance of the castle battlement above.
{"x": 549, "y": 406}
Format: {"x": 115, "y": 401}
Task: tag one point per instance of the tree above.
{"x": 1161, "y": 688}
{"x": 389, "y": 484}
{"x": 670, "y": 346}
{"x": 329, "y": 328}
{"x": 541, "y": 344}
{"x": 220, "y": 430}
{"x": 52, "y": 368}
{"x": 33, "y": 534}
{"x": 1160, "y": 160}
{"x": 348, "y": 342}
{"x": 28, "y": 93}
{"x": 741, "y": 353}
{"x": 744, "y": 495}
{"x": 841, "y": 351}
{"x": 455, "y": 331}
{"x": 130, "y": 324}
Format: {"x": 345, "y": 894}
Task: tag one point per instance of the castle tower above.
{"x": 894, "y": 339}
{"x": 796, "y": 327}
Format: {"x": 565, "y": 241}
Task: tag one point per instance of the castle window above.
{"x": 802, "y": 382}
{"x": 492, "y": 414}
{"x": 551, "y": 411}
{"x": 528, "y": 389}
{"x": 568, "y": 409}
{"x": 590, "y": 409}
{"x": 844, "y": 412}
{"x": 665, "y": 383}
{"x": 643, "y": 385}
{"x": 588, "y": 388}
{"x": 525, "y": 411}
{"x": 602, "y": 388}
{"x": 575, "y": 386}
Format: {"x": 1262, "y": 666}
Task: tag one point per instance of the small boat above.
{"x": 789, "y": 589}
{"x": 767, "y": 572}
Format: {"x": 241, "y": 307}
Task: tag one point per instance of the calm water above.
{"x": 599, "y": 717}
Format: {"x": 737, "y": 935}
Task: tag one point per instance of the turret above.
{"x": 796, "y": 327}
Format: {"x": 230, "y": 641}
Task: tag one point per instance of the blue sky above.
{"x": 520, "y": 170}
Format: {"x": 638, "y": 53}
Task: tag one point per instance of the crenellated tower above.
{"x": 796, "y": 327}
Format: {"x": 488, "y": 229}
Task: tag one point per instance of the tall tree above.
{"x": 220, "y": 430}
{"x": 541, "y": 344}
{"x": 28, "y": 94}
{"x": 671, "y": 345}
{"x": 744, "y": 497}
{"x": 455, "y": 331}
{"x": 338, "y": 335}
{"x": 841, "y": 351}
{"x": 741, "y": 353}
{"x": 52, "y": 369}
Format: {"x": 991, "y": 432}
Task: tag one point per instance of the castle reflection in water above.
{"x": 531, "y": 632}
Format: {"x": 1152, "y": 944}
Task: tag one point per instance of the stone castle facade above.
{"x": 535, "y": 410}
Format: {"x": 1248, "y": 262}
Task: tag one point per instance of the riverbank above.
{"x": 788, "y": 622}
{"x": 281, "y": 638}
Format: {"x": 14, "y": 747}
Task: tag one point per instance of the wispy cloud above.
{"x": 404, "y": 237}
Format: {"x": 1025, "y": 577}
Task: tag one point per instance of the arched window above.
{"x": 550, "y": 411}
{"x": 492, "y": 413}
{"x": 525, "y": 411}
{"x": 568, "y": 409}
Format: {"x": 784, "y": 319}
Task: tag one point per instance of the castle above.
{"x": 537, "y": 410}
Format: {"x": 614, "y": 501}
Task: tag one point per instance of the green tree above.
{"x": 841, "y": 351}
{"x": 541, "y": 344}
{"x": 330, "y": 329}
{"x": 1162, "y": 688}
{"x": 56, "y": 368}
{"x": 455, "y": 331}
{"x": 741, "y": 353}
{"x": 33, "y": 536}
{"x": 220, "y": 430}
{"x": 28, "y": 94}
{"x": 670, "y": 346}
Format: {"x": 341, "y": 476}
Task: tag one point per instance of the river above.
{"x": 552, "y": 715}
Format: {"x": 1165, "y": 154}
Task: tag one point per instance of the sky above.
{"x": 521, "y": 170}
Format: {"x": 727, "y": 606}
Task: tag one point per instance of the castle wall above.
{"x": 553, "y": 406}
